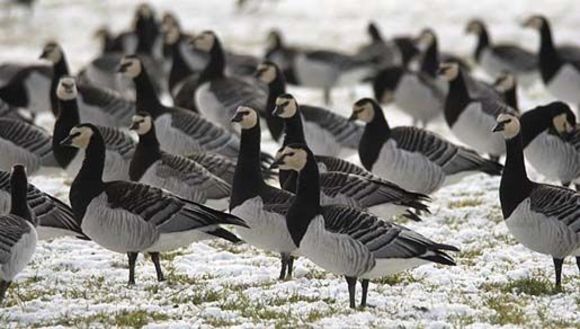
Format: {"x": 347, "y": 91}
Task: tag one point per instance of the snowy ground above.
{"x": 497, "y": 282}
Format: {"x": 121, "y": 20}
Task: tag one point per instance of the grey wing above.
{"x": 328, "y": 164}
{"x": 30, "y": 137}
{"x": 232, "y": 92}
{"x": 241, "y": 65}
{"x": 272, "y": 195}
{"x": 12, "y": 228}
{"x": 479, "y": 89}
{"x": 570, "y": 54}
{"x": 347, "y": 133}
{"x": 108, "y": 101}
{"x": 218, "y": 165}
{"x": 167, "y": 212}
{"x": 494, "y": 108}
{"x": 557, "y": 202}
{"x": 516, "y": 56}
{"x": 118, "y": 141}
{"x": 574, "y": 139}
{"x": 342, "y": 62}
{"x": 278, "y": 208}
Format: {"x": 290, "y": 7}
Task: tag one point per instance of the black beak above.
{"x": 44, "y": 54}
{"x": 258, "y": 73}
{"x": 277, "y": 111}
{"x": 498, "y": 127}
{"x": 134, "y": 126}
{"x": 67, "y": 141}
{"x": 441, "y": 70}
{"x": 238, "y": 117}
{"x": 353, "y": 117}
{"x": 123, "y": 67}
{"x": 276, "y": 164}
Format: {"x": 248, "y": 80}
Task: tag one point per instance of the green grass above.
{"x": 506, "y": 310}
{"x": 464, "y": 203}
{"x": 527, "y": 286}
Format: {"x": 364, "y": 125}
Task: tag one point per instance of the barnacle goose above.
{"x": 55, "y": 219}
{"x": 497, "y": 58}
{"x": 413, "y": 158}
{"x": 217, "y": 95}
{"x": 22, "y": 142}
{"x": 8, "y": 111}
{"x": 17, "y": 231}
{"x": 506, "y": 83}
{"x": 282, "y": 55}
{"x": 551, "y": 142}
{"x": 129, "y": 217}
{"x": 346, "y": 241}
{"x": 119, "y": 145}
{"x": 327, "y": 132}
{"x": 21, "y": 86}
{"x": 542, "y": 217}
{"x": 97, "y": 105}
{"x": 384, "y": 53}
{"x": 471, "y": 118}
{"x": 559, "y": 67}
{"x": 262, "y": 206}
{"x": 179, "y": 175}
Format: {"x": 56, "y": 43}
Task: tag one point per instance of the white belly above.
{"x": 553, "y": 158}
{"x": 390, "y": 266}
{"x": 565, "y": 84}
{"x": 474, "y": 128}
{"x": 175, "y": 240}
{"x": 20, "y": 255}
{"x": 173, "y": 140}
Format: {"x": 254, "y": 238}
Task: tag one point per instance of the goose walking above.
{"x": 348, "y": 242}
{"x": 127, "y": 217}
{"x": 544, "y": 218}
{"x": 17, "y": 232}
{"x": 413, "y": 158}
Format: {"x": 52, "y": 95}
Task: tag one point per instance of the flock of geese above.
{"x": 196, "y": 169}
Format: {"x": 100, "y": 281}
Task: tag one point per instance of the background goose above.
{"x": 262, "y": 206}
{"x": 55, "y": 219}
{"x": 17, "y": 232}
{"x": 218, "y": 96}
{"x": 497, "y": 58}
{"x": 19, "y": 86}
{"x": 507, "y": 85}
{"x": 119, "y": 145}
{"x": 346, "y": 241}
{"x": 385, "y": 53}
{"x": 470, "y": 118}
{"x": 282, "y": 55}
{"x": 25, "y": 143}
{"x": 7, "y": 111}
{"x": 129, "y": 217}
{"x": 559, "y": 68}
{"x": 179, "y": 175}
{"x": 544, "y": 218}
{"x": 415, "y": 159}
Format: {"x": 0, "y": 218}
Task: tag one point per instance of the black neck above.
{"x": 535, "y": 122}
{"x": 511, "y": 98}
{"x": 457, "y": 99}
{"x": 550, "y": 61}
{"x": 147, "y": 99}
{"x": 216, "y": 66}
{"x": 248, "y": 176}
{"x": 376, "y": 133}
{"x": 19, "y": 203}
{"x": 275, "y": 89}
{"x": 482, "y": 43}
{"x": 293, "y": 133}
{"x": 179, "y": 68}
{"x": 59, "y": 70}
{"x": 67, "y": 118}
{"x": 146, "y": 153}
{"x": 515, "y": 185}
{"x": 430, "y": 63}
{"x": 307, "y": 202}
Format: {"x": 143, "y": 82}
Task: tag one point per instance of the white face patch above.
{"x": 267, "y": 73}
{"x": 534, "y": 22}
{"x": 561, "y": 124}
{"x": 53, "y": 53}
{"x": 511, "y": 127}
{"x": 143, "y": 124}
{"x": 83, "y": 138}
{"x": 474, "y": 27}
{"x": 449, "y": 71}
{"x": 171, "y": 35}
{"x": 204, "y": 41}
{"x": 293, "y": 159}
{"x": 288, "y": 110}
{"x": 132, "y": 67}
{"x": 144, "y": 11}
{"x": 505, "y": 83}
{"x": 387, "y": 97}
{"x": 365, "y": 113}
{"x": 425, "y": 40}
{"x": 249, "y": 118}
{"x": 66, "y": 89}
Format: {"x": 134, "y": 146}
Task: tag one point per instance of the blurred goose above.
{"x": 25, "y": 143}
{"x": 507, "y": 85}
{"x": 544, "y": 218}
{"x": 498, "y": 58}
{"x": 22, "y": 85}
{"x": 176, "y": 174}
{"x": 412, "y": 158}
{"x": 128, "y": 217}
{"x": 7, "y": 111}
{"x": 559, "y": 68}
{"x": 17, "y": 232}
{"x": 386, "y": 53}
{"x": 282, "y": 55}
{"x": 119, "y": 145}
{"x": 348, "y": 242}
{"x": 470, "y": 118}
{"x": 218, "y": 96}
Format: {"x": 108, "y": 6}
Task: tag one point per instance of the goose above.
{"x": 22, "y": 142}
{"x": 470, "y": 118}
{"x": 128, "y": 217}
{"x": 7, "y": 111}
{"x": 413, "y": 158}
{"x": 327, "y": 132}
{"x": 17, "y": 232}
{"x": 19, "y": 86}
{"x": 559, "y": 68}
{"x": 282, "y": 55}
{"x": 179, "y": 175}
{"x": 101, "y": 72}
{"x": 430, "y": 56}
{"x": 551, "y": 142}
{"x": 498, "y": 58}
{"x": 55, "y": 219}
{"x": 386, "y": 53}
{"x": 217, "y": 95}
{"x": 97, "y": 105}
{"x": 119, "y": 145}
{"x": 507, "y": 85}
{"x": 544, "y": 218}
{"x": 346, "y": 241}
{"x": 262, "y": 206}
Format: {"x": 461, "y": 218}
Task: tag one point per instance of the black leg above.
{"x": 365, "y": 289}
{"x": 3, "y": 288}
{"x": 283, "y": 261}
{"x": 578, "y": 262}
{"x": 351, "y": 290}
{"x": 132, "y": 259}
{"x": 290, "y": 267}
{"x": 558, "y": 267}
{"x": 155, "y": 260}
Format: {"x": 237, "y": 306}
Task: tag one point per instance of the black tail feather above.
{"x": 226, "y": 235}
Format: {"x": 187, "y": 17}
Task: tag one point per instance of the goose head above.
{"x": 291, "y": 157}
{"x": 80, "y": 136}
{"x": 508, "y": 125}
{"x": 267, "y": 72}
{"x": 53, "y": 52}
{"x": 247, "y": 117}
{"x": 205, "y": 41}
{"x": 448, "y": 71}
{"x": 286, "y": 106}
{"x": 363, "y": 110}
{"x": 130, "y": 66}
{"x": 66, "y": 89}
{"x": 142, "y": 123}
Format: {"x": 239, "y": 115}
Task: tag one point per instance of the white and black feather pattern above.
{"x": 218, "y": 165}
{"x": 555, "y": 157}
{"x": 110, "y": 107}
{"x": 24, "y": 143}
{"x": 557, "y": 202}
{"x": 9, "y": 112}
{"x": 346, "y": 133}
{"x": 118, "y": 141}
{"x": 329, "y": 164}
{"x": 17, "y": 244}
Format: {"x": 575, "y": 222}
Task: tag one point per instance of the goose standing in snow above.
{"x": 544, "y": 218}
{"x": 471, "y": 118}
{"x": 20, "y": 86}
{"x": 128, "y": 217}
{"x": 119, "y": 145}
{"x": 55, "y": 219}
{"x": 346, "y": 241}
{"x": 413, "y": 158}
{"x": 559, "y": 67}
{"x": 498, "y": 58}
{"x": 17, "y": 232}
{"x": 176, "y": 174}
{"x": 218, "y": 96}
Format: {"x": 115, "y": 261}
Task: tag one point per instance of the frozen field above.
{"x": 497, "y": 283}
